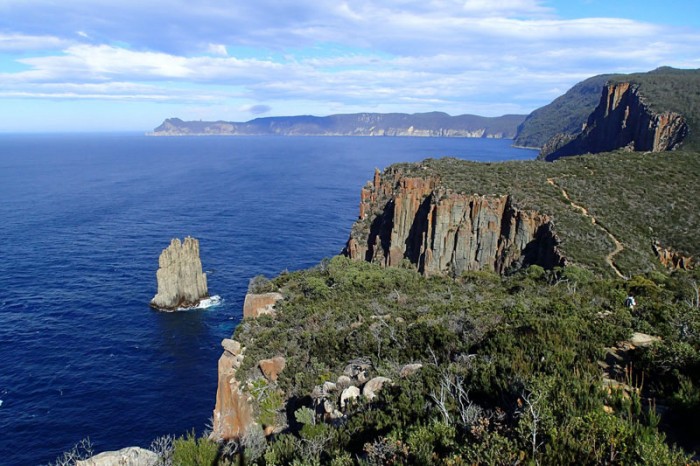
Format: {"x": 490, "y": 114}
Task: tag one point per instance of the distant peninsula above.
{"x": 432, "y": 124}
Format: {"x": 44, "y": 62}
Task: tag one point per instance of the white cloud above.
{"x": 459, "y": 56}
{"x": 25, "y": 42}
{"x": 217, "y": 49}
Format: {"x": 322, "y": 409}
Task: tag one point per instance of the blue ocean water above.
{"x": 83, "y": 219}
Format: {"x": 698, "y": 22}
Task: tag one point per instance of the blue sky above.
{"x": 83, "y": 65}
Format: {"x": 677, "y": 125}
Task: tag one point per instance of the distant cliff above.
{"x": 433, "y": 124}
{"x": 654, "y": 111}
{"x": 566, "y": 115}
{"x": 440, "y": 231}
{"x": 622, "y": 119}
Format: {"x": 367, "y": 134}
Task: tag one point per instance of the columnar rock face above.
{"x": 623, "y": 120}
{"x": 673, "y": 260}
{"x": 233, "y": 413}
{"x": 414, "y": 219}
{"x": 181, "y": 283}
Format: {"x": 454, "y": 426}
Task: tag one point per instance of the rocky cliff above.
{"x": 622, "y": 119}
{"x": 565, "y": 115}
{"x": 440, "y": 231}
{"x": 181, "y": 283}
{"x": 233, "y": 412}
{"x": 432, "y": 124}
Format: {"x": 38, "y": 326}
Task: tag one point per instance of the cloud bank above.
{"x": 473, "y": 56}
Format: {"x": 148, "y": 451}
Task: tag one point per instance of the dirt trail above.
{"x": 618, "y": 245}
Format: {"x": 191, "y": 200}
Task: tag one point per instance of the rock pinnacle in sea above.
{"x": 181, "y": 282}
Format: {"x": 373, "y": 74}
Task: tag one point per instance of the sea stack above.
{"x": 181, "y": 282}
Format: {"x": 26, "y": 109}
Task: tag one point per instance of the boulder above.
{"x": 130, "y": 456}
{"x": 409, "y": 369}
{"x": 181, "y": 282}
{"x": 357, "y": 370}
{"x": 642, "y": 340}
{"x": 272, "y": 367}
{"x": 348, "y": 394}
{"x": 343, "y": 382}
{"x": 232, "y": 346}
{"x": 329, "y": 387}
{"x": 256, "y": 305}
{"x": 371, "y": 388}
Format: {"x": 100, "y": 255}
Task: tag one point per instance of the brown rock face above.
{"x": 256, "y": 305}
{"x": 672, "y": 259}
{"x": 271, "y": 368}
{"x": 623, "y": 120}
{"x": 233, "y": 413}
{"x": 440, "y": 231}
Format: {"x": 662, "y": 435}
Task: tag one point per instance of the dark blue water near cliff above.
{"x": 83, "y": 219}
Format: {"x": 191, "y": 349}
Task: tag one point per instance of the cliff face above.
{"x": 623, "y": 120}
{"x": 432, "y": 124}
{"x": 673, "y": 260}
{"x": 181, "y": 283}
{"x": 233, "y": 413}
{"x": 235, "y": 406}
{"x": 439, "y": 231}
{"x": 566, "y": 115}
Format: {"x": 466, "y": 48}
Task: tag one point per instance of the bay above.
{"x": 83, "y": 220}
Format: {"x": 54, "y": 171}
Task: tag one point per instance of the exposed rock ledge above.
{"x": 440, "y": 231}
{"x": 181, "y": 282}
{"x": 235, "y": 407}
{"x": 130, "y": 456}
{"x": 671, "y": 259}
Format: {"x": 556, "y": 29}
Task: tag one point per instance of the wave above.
{"x": 205, "y": 303}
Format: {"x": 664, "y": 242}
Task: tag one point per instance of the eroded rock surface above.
{"x": 233, "y": 413}
{"x": 271, "y": 368}
{"x": 181, "y": 282}
{"x": 130, "y": 456}
{"x": 439, "y": 231}
{"x": 673, "y": 260}
{"x": 623, "y": 120}
{"x": 256, "y": 305}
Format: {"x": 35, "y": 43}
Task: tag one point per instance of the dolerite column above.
{"x": 181, "y": 282}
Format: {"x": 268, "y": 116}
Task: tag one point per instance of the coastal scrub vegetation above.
{"x": 640, "y": 198}
{"x": 512, "y": 372}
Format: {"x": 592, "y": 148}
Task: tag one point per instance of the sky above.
{"x": 126, "y": 65}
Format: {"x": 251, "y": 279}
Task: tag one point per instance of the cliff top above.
{"x": 640, "y": 198}
{"x": 671, "y": 89}
{"x": 663, "y": 89}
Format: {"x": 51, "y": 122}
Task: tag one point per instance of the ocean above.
{"x": 83, "y": 219}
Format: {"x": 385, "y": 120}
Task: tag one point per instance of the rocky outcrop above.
{"x": 256, "y": 305}
{"x": 271, "y": 368}
{"x": 416, "y": 219}
{"x": 373, "y": 386}
{"x": 130, "y": 456}
{"x": 671, "y": 259}
{"x": 233, "y": 413}
{"x": 181, "y": 283}
{"x": 564, "y": 116}
{"x": 622, "y": 120}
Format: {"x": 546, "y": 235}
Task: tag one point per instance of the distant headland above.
{"x": 432, "y": 124}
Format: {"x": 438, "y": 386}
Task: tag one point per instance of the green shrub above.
{"x": 192, "y": 451}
